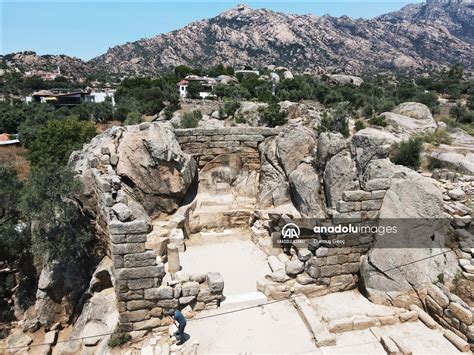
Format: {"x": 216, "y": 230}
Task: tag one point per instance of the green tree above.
{"x": 59, "y": 230}
{"x": 133, "y": 117}
{"x": 273, "y": 115}
{"x": 336, "y": 120}
{"x": 56, "y": 140}
{"x": 14, "y": 241}
{"x": 407, "y": 153}
{"x": 191, "y": 119}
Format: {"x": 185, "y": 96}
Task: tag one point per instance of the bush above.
{"x": 336, "y": 121}
{"x": 55, "y": 141}
{"x": 461, "y": 114}
{"x": 437, "y": 137}
{"x": 407, "y": 153}
{"x": 48, "y": 198}
{"x": 273, "y": 115}
{"x": 359, "y": 124}
{"x": 119, "y": 340}
{"x": 133, "y": 117}
{"x": 230, "y": 106}
{"x": 378, "y": 121}
{"x": 240, "y": 119}
{"x": 191, "y": 119}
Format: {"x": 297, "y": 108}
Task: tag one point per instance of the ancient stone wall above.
{"x": 206, "y": 144}
{"x": 144, "y": 287}
{"x": 451, "y": 312}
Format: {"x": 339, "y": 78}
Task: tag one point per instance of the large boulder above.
{"x": 251, "y": 111}
{"x": 399, "y": 267}
{"x": 459, "y": 160}
{"x": 329, "y": 144}
{"x": 341, "y": 79}
{"x": 294, "y": 144}
{"x": 153, "y": 167}
{"x": 279, "y": 159}
{"x": 414, "y": 110}
{"x": 274, "y": 189}
{"x": 305, "y": 191}
{"x": 340, "y": 175}
{"x": 371, "y": 143}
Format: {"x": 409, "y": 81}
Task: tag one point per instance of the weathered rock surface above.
{"x": 305, "y": 191}
{"x": 340, "y": 175}
{"x": 415, "y": 206}
{"x": 408, "y": 119}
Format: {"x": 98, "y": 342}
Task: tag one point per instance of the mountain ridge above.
{"x": 418, "y": 37}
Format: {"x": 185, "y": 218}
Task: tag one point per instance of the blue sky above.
{"x": 86, "y": 28}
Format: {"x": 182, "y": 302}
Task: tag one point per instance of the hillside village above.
{"x": 307, "y": 209}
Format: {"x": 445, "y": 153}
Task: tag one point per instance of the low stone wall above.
{"x": 206, "y": 144}
{"x": 318, "y": 269}
{"x": 451, "y": 312}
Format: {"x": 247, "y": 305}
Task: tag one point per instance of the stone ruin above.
{"x": 149, "y": 187}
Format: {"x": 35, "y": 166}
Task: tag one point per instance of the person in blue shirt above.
{"x": 178, "y": 317}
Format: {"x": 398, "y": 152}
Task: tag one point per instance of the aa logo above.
{"x": 290, "y": 231}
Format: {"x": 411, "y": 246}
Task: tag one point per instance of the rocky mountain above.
{"x": 455, "y": 15}
{"x": 30, "y": 61}
{"x": 416, "y": 37}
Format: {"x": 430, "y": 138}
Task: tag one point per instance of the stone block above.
{"x": 159, "y": 293}
{"x": 215, "y": 281}
{"x": 361, "y": 323}
{"x": 118, "y": 238}
{"x": 355, "y": 195}
{"x": 140, "y": 272}
{"x": 378, "y": 194}
{"x": 134, "y": 227}
{"x": 129, "y": 248}
{"x": 344, "y": 206}
{"x": 205, "y": 295}
{"x": 183, "y": 301}
{"x": 371, "y": 205}
{"x": 147, "y": 324}
{"x": 134, "y": 316}
{"x": 190, "y": 288}
{"x": 388, "y": 320}
{"x": 130, "y": 295}
{"x": 117, "y": 260}
{"x": 410, "y": 316}
{"x": 461, "y": 313}
{"x": 433, "y": 306}
{"x": 377, "y": 184}
{"x": 156, "y": 312}
{"x": 139, "y": 304}
{"x": 138, "y": 284}
{"x": 136, "y": 238}
{"x": 340, "y": 325}
{"x": 173, "y": 303}
{"x": 146, "y": 258}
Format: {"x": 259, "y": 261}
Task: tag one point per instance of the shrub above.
{"x": 240, "y": 119}
{"x": 133, "y": 117}
{"x": 55, "y": 141}
{"x": 359, "y": 124}
{"x": 437, "y": 137}
{"x": 273, "y": 115}
{"x": 230, "y": 106}
{"x": 407, "y": 153}
{"x": 461, "y": 114}
{"x": 119, "y": 340}
{"x": 336, "y": 121}
{"x": 378, "y": 121}
{"x": 191, "y": 119}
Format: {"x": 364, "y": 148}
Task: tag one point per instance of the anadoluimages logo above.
{"x": 290, "y": 231}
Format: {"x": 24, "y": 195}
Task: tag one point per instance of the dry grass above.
{"x": 16, "y": 156}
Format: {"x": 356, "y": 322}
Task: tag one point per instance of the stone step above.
{"x": 220, "y": 234}
{"x": 243, "y": 300}
{"x": 313, "y": 322}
